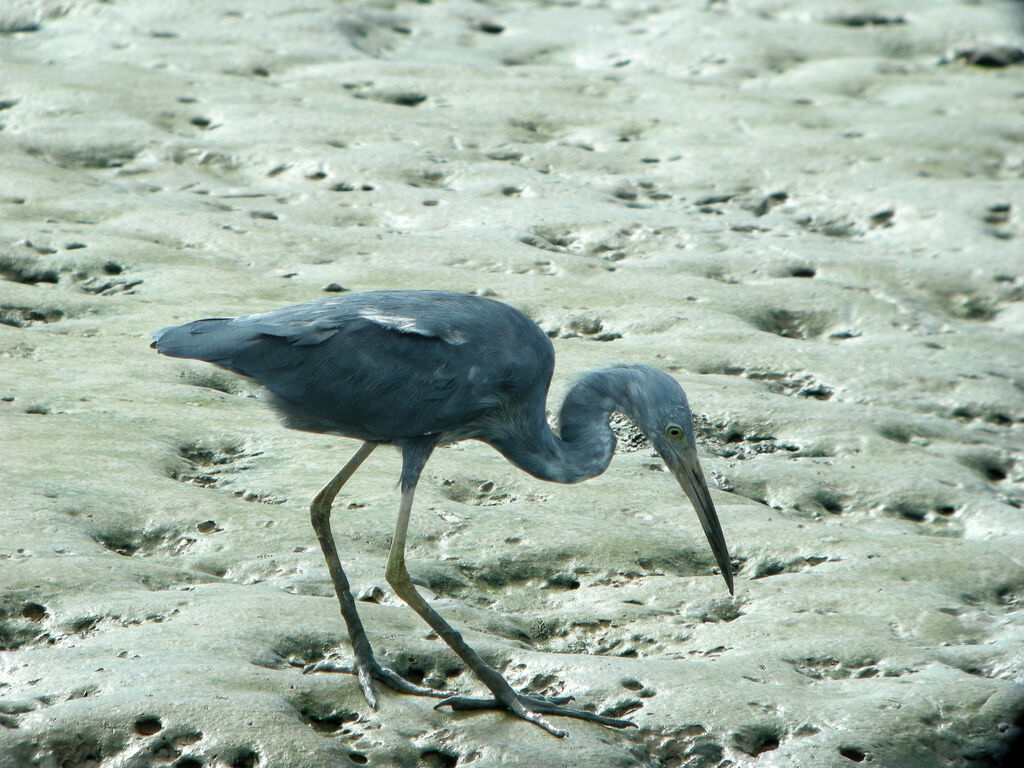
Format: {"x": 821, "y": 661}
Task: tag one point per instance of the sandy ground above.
{"x": 808, "y": 212}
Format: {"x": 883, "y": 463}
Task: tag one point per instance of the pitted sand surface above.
{"x": 808, "y": 212}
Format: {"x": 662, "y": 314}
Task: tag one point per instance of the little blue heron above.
{"x": 419, "y": 369}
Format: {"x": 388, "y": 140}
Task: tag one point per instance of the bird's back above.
{"x": 383, "y": 365}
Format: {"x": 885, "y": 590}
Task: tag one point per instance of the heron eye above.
{"x": 675, "y": 432}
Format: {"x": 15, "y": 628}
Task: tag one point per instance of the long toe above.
{"x": 327, "y": 665}
{"x": 365, "y": 676}
{"x": 534, "y": 717}
{"x": 395, "y": 681}
{"x": 532, "y": 708}
{"x": 469, "y": 703}
{"x": 548, "y": 699}
{"x": 551, "y": 708}
{"x": 368, "y": 672}
{"x": 525, "y": 711}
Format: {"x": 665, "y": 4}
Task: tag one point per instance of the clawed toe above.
{"x": 520, "y": 706}
{"x": 549, "y": 699}
{"x": 465, "y": 704}
{"x": 531, "y": 708}
{"x": 327, "y": 665}
{"x": 395, "y": 681}
{"x": 370, "y": 671}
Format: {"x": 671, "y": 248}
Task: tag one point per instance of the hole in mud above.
{"x": 167, "y": 749}
{"x": 84, "y": 625}
{"x": 908, "y": 511}
{"x": 120, "y": 542}
{"x": 328, "y": 724}
{"x": 213, "y": 467}
{"x": 802, "y": 272}
{"x": 964, "y": 413}
{"x": 998, "y": 214}
{"x": 683, "y": 745}
{"x": 26, "y": 270}
{"x": 866, "y": 20}
{"x": 768, "y": 568}
{"x": 715, "y": 199}
{"x": 898, "y": 433}
{"x": 622, "y": 709}
{"x": 882, "y": 218}
{"x": 433, "y": 758}
{"x": 830, "y": 505}
{"x": 245, "y": 758}
{"x": 398, "y": 98}
{"x": 991, "y": 56}
{"x": 628, "y": 436}
{"x": 373, "y": 595}
{"x": 33, "y": 612}
{"x": 853, "y": 753}
{"x": 22, "y": 317}
{"x": 219, "y": 381}
{"x": 147, "y": 726}
{"x": 189, "y": 762}
{"x": 844, "y": 335}
{"x": 325, "y": 720}
{"x": 993, "y": 468}
{"x": 106, "y": 280}
{"x": 562, "y": 581}
{"x": 817, "y": 392}
{"x": 792, "y": 324}
{"x": 830, "y": 668}
{"x": 756, "y": 739}
{"x": 321, "y": 716}
{"x": 358, "y": 758}
{"x": 769, "y": 202}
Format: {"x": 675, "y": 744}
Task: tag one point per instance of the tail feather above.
{"x": 214, "y": 340}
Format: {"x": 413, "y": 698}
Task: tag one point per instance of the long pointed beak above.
{"x": 686, "y": 468}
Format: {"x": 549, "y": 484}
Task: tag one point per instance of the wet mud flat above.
{"x": 808, "y": 213}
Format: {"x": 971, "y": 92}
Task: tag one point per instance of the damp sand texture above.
{"x": 808, "y": 213}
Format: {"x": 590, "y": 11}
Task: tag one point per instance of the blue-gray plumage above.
{"x": 418, "y": 369}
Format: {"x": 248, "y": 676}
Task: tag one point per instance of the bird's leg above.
{"x": 366, "y": 665}
{"x": 527, "y": 707}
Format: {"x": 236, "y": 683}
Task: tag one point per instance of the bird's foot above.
{"x": 369, "y": 670}
{"x": 533, "y": 708}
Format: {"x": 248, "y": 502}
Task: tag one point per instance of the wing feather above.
{"x": 383, "y": 365}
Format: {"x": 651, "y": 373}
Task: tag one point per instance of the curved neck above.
{"x": 586, "y": 443}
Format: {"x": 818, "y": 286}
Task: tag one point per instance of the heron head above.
{"x": 660, "y": 408}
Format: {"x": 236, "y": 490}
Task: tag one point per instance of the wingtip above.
{"x": 156, "y": 339}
